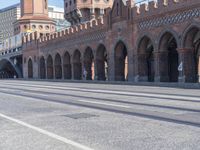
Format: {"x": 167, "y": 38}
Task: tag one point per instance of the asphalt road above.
{"x": 38, "y": 115}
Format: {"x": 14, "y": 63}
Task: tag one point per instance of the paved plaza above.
{"x": 41, "y": 115}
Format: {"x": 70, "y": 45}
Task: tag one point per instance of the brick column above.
{"x": 95, "y": 69}
{"x": 142, "y": 67}
{"x": 62, "y": 67}
{"x": 83, "y": 68}
{"x": 161, "y": 67}
{"x": 131, "y": 67}
{"x": 54, "y": 69}
{"x": 111, "y": 68}
{"x": 46, "y": 68}
{"x": 135, "y": 72}
{"x": 157, "y": 66}
{"x": 186, "y": 56}
{"x": 72, "y": 68}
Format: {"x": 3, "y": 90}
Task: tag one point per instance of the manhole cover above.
{"x": 80, "y": 115}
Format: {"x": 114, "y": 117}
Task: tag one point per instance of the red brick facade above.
{"x": 145, "y": 43}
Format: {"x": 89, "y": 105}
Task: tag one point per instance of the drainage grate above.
{"x": 80, "y": 116}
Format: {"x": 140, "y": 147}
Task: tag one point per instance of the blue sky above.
{"x": 5, "y": 3}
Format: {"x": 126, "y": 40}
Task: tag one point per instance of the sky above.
{"x": 5, "y": 3}
{"x": 60, "y": 3}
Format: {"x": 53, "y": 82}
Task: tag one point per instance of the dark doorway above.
{"x": 30, "y": 68}
{"x": 121, "y": 62}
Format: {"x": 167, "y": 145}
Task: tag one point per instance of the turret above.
{"x": 77, "y": 11}
{"x": 34, "y": 17}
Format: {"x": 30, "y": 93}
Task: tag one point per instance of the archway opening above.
{"x": 77, "y": 68}
{"x": 192, "y": 41}
{"x": 146, "y": 59}
{"x": 170, "y": 62}
{"x": 42, "y": 68}
{"x": 49, "y": 67}
{"x": 101, "y": 63}
{"x": 89, "y": 64}
{"x": 67, "y": 66}
{"x": 7, "y": 70}
{"x": 121, "y": 62}
{"x": 30, "y": 68}
{"x": 58, "y": 67}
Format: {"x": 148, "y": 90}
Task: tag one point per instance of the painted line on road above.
{"x": 114, "y": 92}
{"x": 104, "y": 103}
{"x": 50, "y": 134}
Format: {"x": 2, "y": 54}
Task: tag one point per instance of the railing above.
{"x": 17, "y": 50}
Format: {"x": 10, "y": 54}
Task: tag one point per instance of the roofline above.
{"x": 10, "y": 7}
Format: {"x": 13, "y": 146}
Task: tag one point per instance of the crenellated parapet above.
{"x": 153, "y": 13}
{"x": 75, "y": 30}
{"x": 33, "y": 38}
{"x": 157, "y": 7}
{"x": 30, "y": 38}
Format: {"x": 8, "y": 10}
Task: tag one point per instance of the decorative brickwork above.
{"x": 158, "y": 42}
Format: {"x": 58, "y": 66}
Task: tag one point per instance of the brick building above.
{"x": 125, "y": 42}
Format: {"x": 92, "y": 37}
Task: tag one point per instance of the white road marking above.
{"x": 115, "y": 92}
{"x": 104, "y": 103}
{"x": 50, "y": 134}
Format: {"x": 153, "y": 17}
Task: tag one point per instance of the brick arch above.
{"x": 8, "y": 69}
{"x": 169, "y": 59}
{"x": 145, "y": 35}
{"x": 42, "y": 68}
{"x": 146, "y": 59}
{"x": 186, "y": 40}
{"x": 67, "y": 65}
{"x": 89, "y": 63}
{"x": 50, "y": 74}
{"x": 121, "y": 61}
{"x": 163, "y": 34}
{"x": 77, "y": 67}
{"x": 102, "y": 62}
{"x": 120, "y": 40}
{"x": 58, "y": 66}
{"x": 191, "y": 42}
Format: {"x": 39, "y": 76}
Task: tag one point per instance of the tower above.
{"x": 34, "y": 17}
{"x": 77, "y": 11}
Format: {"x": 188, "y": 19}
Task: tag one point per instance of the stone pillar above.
{"x": 188, "y": 73}
{"x": 83, "y": 69}
{"x": 62, "y": 66}
{"x": 131, "y": 66}
{"x": 157, "y": 66}
{"x": 46, "y": 69}
{"x": 111, "y": 68}
{"x": 142, "y": 67}
{"x": 135, "y": 72}
{"x": 72, "y": 68}
{"x": 54, "y": 69}
{"x": 39, "y": 71}
{"x": 35, "y": 67}
{"x": 162, "y": 73}
{"x": 95, "y": 68}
